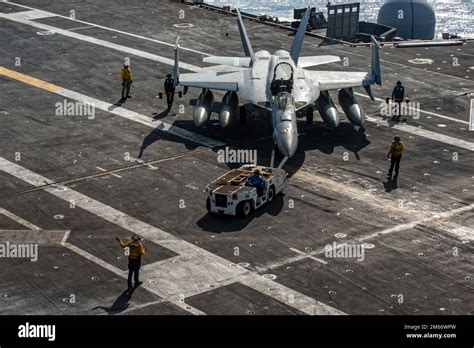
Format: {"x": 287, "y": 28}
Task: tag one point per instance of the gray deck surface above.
{"x": 419, "y": 255}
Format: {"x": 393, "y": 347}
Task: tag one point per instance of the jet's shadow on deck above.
{"x": 242, "y": 136}
{"x": 257, "y": 135}
{"x": 225, "y": 224}
{"x": 158, "y": 134}
{"x": 326, "y": 140}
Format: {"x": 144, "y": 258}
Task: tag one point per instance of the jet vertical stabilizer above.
{"x": 375, "y": 72}
{"x": 176, "y": 63}
{"x": 245, "y": 38}
{"x": 376, "y": 62}
{"x": 299, "y": 37}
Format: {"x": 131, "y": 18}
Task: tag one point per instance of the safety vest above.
{"x": 126, "y": 74}
{"x": 396, "y": 150}
{"x": 136, "y": 248}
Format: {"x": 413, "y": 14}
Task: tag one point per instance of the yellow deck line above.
{"x": 29, "y": 80}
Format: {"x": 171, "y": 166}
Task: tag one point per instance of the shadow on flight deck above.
{"x": 314, "y": 137}
{"x": 119, "y": 305}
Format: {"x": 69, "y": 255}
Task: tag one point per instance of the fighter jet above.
{"x": 279, "y": 83}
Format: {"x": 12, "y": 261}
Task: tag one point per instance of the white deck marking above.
{"x": 113, "y": 174}
{"x": 81, "y": 28}
{"x": 20, "y": 19}
{"x": 28, "y": 15}
{"x": 152, "y": 266}
{"x": 124, "y": 274}
{"x": 144, "y": 164}
{"x": 406, "y": 128}
{"x": 404, "y": 65}
{"x": 308, "y": 256}
{"x": 93, "y": 258}
{"x": 471, "y": 116}
{"x": 19, "y": 220}
{"x": 425, "y": 133}
{"x": 38, "y": 237}
{"x": 113, "y": 108}
{"x": 258, "y": 284}
{"x": 433, "y": 218}
{"x": 34, "y": 234}
{"x": 51, "y": 14}
{"x": 422, "y": 111}
{"x": 198, "y": 267}
{"x": 287, "y": 295}
{"x": 143, "y": 119}
{"x": 383, "y": 202}
{"x": 461, "y": 233}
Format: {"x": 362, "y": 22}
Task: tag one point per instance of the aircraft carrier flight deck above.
{"x": 72, "y": 183}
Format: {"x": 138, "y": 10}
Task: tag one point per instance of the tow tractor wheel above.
{"x": 244, "y": 208}
{"x": 271, "y": 194}
{"x": 208, "y": 205}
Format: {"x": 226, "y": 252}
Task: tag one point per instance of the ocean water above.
{"x": 455, "y": 19}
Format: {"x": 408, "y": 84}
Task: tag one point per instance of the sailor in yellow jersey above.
{"x": 126, "y": 76}
{"x": 134, "y": 250}
{"x": 395, "y": 154}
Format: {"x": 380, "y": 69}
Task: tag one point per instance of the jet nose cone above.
{"x": 287, "y": 142}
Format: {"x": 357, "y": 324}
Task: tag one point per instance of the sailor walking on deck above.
{"x": 398, "y": 94}
{"x": 170, "y": 90}
{"x": 395, "y": 155}
{"x": 134, "y": 250}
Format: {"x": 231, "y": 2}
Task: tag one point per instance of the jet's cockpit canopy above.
{"x": 282, "y": 79}
{"x": 284, "y": 101}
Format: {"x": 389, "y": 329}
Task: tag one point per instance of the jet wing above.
{"x": 243, "y": 62}
{"x": 225, "y": 81}
{"x": 306, "y": 62}
{"x": 329, "y": 80}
